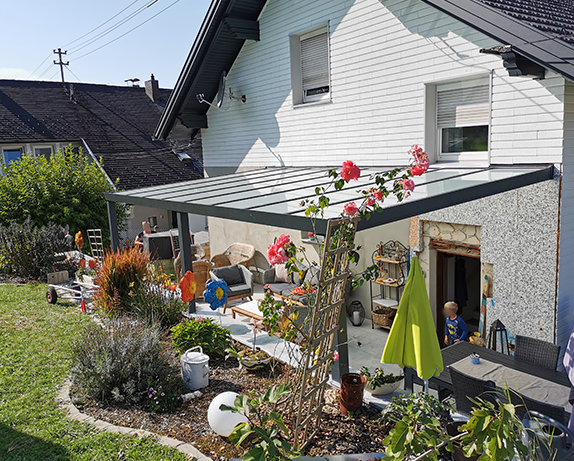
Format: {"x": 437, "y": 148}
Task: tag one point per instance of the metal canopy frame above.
{"x": 273, "y": 196}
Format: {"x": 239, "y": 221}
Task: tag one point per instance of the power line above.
{"x": 102, "y": 24}
{"x": 110, "y": 29}
{"x": 46, "y": 70}
{"x": 131, "y": 30}
{"x": 54, "y": 74}
{"x": 34, "y": 71}
{"x": 72, "y": 72}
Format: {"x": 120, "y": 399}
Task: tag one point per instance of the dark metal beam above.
{"x": 185, "y": 250}
{"x": 193, "y": 120}
{"x": 113, "y": 223}
{"x": 242, "y": 29}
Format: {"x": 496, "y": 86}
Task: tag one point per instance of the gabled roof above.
{"x": 116, "y": 122}
{"x": 537, "y": 29}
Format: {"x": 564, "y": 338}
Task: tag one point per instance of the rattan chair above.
{"x": 201, "y": 270}
{"x": 237, "y": 253}
{"x": 536, "y": 351}
{"x": 525, "y": 404}
{"x": 466, "y": 388}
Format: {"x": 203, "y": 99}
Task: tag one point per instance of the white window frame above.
{"x": 433, "y": 134}
{"x": 42, "y": 146}
{"x": 299, "y": 96}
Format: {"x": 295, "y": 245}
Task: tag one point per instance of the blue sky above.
{"x": 33, "y": 28}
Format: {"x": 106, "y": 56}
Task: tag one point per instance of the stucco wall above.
{"x": 518, "y": 235}
{"x": 140, "y": 214}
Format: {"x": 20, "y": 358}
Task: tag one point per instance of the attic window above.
{"x": 310, "y": 69}
{"x": 183, "y": 157}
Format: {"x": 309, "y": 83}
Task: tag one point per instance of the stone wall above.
{"x": 517, "y": 233}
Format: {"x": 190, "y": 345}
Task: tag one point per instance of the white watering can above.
{"x": 195, "y": 368}
{"x": 548, "y": 437}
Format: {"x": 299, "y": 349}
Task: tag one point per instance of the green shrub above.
{"x": 30, "y": 251}
{"x": 201, "y": 332}
{"x": 65, "y": 189}
{"x": 157, "y": 305}
{"x": 116, "y": 362}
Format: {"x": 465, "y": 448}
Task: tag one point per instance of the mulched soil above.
{"x": 359, "y": 433}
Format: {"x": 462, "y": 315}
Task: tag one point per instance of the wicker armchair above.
{"x": 466, "y": 388}
{"x": 201, "y": 272}
{"x": 238, "y": 253}
{"x": 536, "y": 351}
{"x": 525, "y": 404}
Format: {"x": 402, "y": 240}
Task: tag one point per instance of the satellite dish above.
{"x": 221, "y": 90}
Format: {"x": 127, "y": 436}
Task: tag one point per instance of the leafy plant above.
{"x": 115, "y": 362}
{"x": 201, "y": 332}
{"x": 67, "y": 188}
{"x": 494, "y": 432}
{"x": 27, "y": 250}
{"x": 266, "y": 429}
{"x": 120, "y": 276}
{"x": 378, "y": 378}
{"x": 419, "y": 426}
{"x": 162, "y": 398}
{"x": 157, "y": 305}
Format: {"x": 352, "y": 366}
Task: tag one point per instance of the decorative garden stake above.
{"x": 187, "y": 286}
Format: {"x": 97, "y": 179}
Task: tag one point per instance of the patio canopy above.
{"x": 274, "y": 196}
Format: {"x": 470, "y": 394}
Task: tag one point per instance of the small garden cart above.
{"x": 61, "y": 286}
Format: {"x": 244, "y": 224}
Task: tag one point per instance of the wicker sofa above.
{"x": 239, "y": 281}
{"x": 237, "y": 253}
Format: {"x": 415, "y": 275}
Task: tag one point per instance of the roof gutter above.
{"x": 97, "y": 162}
{"x": 540, "y": 47}
{"x": 193, "y": 61}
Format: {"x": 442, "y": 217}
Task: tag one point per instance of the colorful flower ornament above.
{"x": 92, "y": 264}
{"x": 187, "y": 286}
{"x": 215, "y": 293}
{"x": 79, "y": 240}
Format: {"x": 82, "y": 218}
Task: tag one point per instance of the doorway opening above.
{"x": 458, "y": 280}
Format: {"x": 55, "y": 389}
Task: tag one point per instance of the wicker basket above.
{"x": 383, "y": 316}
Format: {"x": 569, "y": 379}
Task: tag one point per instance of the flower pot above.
{"x": 352, "y": 387}
{"x": 252, "y": 364}
{"x": 384, "y": 389}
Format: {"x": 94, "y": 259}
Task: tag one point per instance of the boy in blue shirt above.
{"x": 455, "y": 330}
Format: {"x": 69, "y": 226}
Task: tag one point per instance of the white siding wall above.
{"x": 382, "y": 55}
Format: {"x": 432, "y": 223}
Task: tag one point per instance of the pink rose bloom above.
{"x": 276, "y": 254}
{"x": 283, "y": 240}
{"x": 378, "y": 195}
{"x": 335, "y": 356}
{"x": 408, "y": 184}
{"x": 370, "y": 201}
{"x": 351, "y": 209}
{"x": 350, "y": 171}
{"x": 418, "y": 169}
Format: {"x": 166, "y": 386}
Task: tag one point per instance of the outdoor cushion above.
{"x": 299, "y": 298}
{"x": 281, "y": 274}
{"x": 231, "y": 274}
{"x": 287, "y": 289}
{"x": 236, "y": 290}
{"x": 280, "y": 287}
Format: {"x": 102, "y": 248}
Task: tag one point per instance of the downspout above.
{"x": 558, "y": 231}
{"x": 96, "y": 161}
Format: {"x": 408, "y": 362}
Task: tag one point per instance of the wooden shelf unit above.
{"x": 393, "y": 258}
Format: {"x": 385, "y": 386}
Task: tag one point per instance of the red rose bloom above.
{"x": 350, "y": 171}
{"x": 351, "y": 209}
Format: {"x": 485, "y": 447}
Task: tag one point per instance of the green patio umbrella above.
{"x": 413, "y": 341}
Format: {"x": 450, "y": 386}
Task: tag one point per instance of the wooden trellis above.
{"x": 307, "y": 400}
{"x": 96, "y": 243}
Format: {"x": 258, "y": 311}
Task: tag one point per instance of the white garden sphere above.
{"x": 223, "y": 422}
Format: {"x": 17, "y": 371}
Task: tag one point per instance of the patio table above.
{"x": 460, "y": 351}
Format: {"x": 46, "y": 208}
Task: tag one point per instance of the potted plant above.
{"x": 254, "y": 358}
{"x": 379, "y": 383}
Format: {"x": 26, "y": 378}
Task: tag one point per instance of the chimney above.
{"x": 152, "y": 88}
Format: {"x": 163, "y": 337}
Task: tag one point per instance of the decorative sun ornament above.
{"x": 187, "y": 286}
{"x": 215, "y": 293}
{"x": 79, "y": 240}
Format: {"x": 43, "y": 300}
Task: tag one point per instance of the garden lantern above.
{"x": 498, "y": 330}
{"x": 223, "y": 422}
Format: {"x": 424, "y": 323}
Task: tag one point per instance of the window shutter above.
{"x": 463, "y": 107}
{"x": 315, "y": 61}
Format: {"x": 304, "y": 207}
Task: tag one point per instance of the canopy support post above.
{"x": 185, "y": 250}
{"x": 113, "y": 223}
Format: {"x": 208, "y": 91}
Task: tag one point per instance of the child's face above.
{"x": 447, "y": 313}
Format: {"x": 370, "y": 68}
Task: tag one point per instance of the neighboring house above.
{"x": 113, "y": 125}
{"x": 478, "y": 83}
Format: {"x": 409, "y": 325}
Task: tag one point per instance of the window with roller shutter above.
{"x": 463, "y": 121}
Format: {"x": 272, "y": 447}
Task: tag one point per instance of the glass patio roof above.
{"x": 273, "y": 196}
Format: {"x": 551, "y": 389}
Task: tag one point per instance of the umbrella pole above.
{"x": 426, "y": 386}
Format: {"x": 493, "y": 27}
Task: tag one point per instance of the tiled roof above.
{"x": 555, "y": 17}
{"x": 117, "y": 123}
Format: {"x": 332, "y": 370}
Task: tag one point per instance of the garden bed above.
{"x": 357, "y": 434}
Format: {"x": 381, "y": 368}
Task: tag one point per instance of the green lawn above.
{"x": 35, "y": 339}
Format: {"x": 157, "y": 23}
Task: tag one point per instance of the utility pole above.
{"x": 60, "y": 63}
